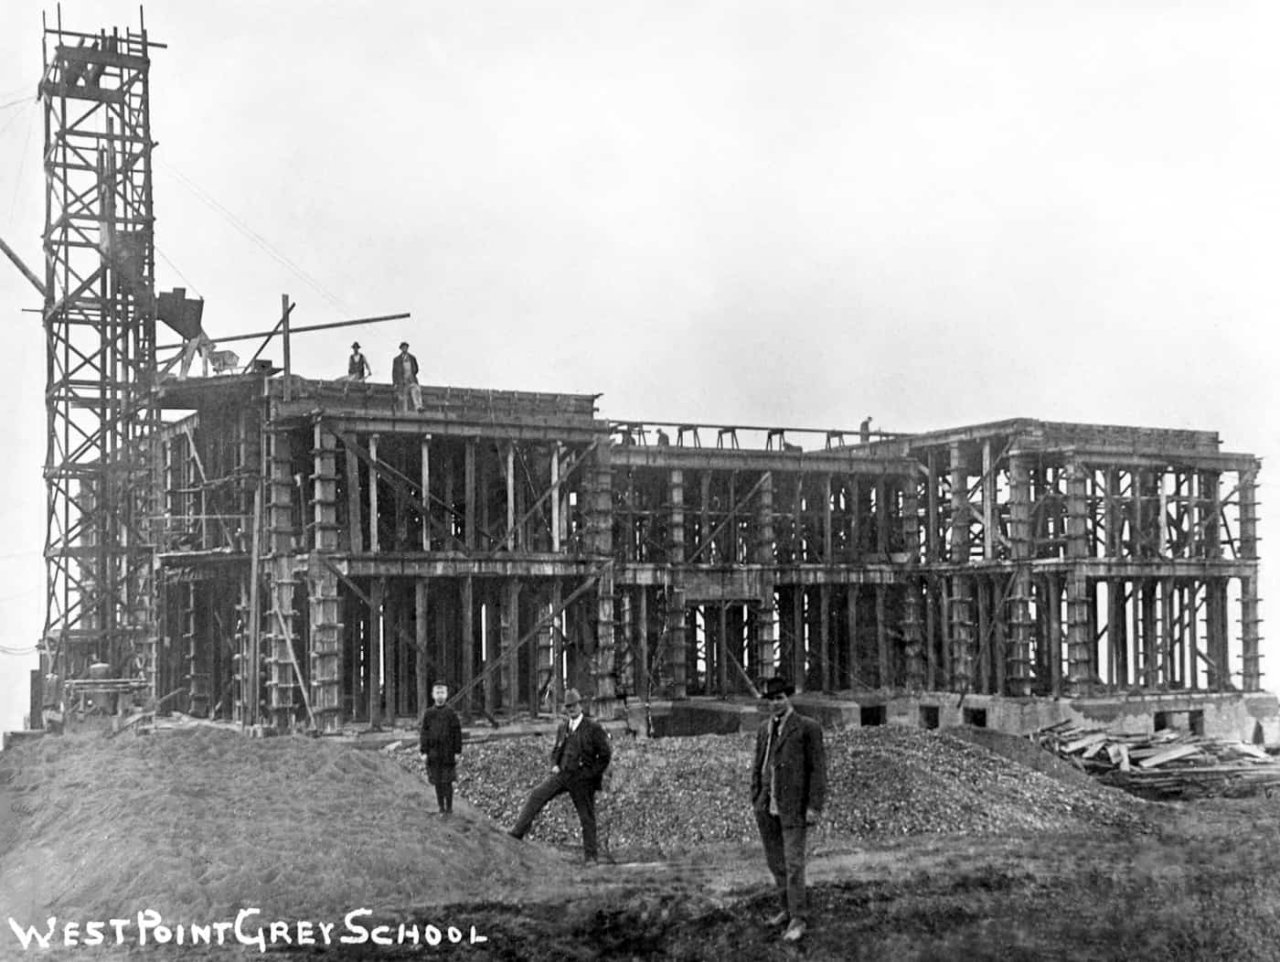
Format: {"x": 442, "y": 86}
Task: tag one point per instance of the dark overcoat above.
{"x": 592, "y": 757}
{"x": 440, "y": 738}
{"x": 800, "y": 769}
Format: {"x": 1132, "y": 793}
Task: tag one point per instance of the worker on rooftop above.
{"x": 404, "y": 375}
{"x": 357, "y": 365}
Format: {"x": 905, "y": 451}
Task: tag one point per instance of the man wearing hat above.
{"x": 788, "y": 788}
{"x": 578, "y": 760}
{"x": 357, "y": 366}
{"x": 404, "y": 375}
{"x": 440, "y": 744}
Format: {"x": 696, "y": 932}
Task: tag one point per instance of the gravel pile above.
{"x": 667, "y": 795}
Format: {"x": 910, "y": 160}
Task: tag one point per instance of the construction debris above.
{"x": 1166, "y": 764}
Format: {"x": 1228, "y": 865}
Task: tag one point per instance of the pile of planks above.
{"x": 1166, "y": 764}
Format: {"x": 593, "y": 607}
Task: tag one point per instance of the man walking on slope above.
{"x": 578, "y": 760}
{"x": 788, "y": 788}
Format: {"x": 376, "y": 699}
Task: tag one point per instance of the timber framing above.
{"x": 515, "y": 544}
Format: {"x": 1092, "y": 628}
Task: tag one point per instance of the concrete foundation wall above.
{"x": 1249, "y": 717}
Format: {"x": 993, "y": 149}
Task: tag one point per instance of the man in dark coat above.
{"x": 578, "y": 760}
{"x": 440, "y": 743}
{"x": 788, "y": 789}
{"x": 404, "y": 375}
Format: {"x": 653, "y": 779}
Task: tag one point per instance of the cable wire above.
{"x": 253, "y": 235}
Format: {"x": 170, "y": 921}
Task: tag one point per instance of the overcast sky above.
{"x": 937, "y": 213}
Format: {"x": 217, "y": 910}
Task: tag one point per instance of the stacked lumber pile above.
{"x": 1166, "y": 764}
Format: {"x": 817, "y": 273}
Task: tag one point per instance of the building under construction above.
{"x": 269, "y": 549}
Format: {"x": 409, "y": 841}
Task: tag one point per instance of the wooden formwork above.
{"x": 514, "y": 545}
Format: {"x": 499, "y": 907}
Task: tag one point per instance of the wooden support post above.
{"x": 426, "y": 496}
{"x": 377, "y": 593}
{"x": 1151, "y": 641}
{"x": 354, "y": 534}
{"x": 198, "y": 703}
{"x": 428, "y": 670}
{"x": 511, "y": 496}
{"x": 491, "y": 628}
{"x": 960, "y": 617}
{"x": 882, "y": 639}
{"x": 883, "y": 517}
{"x": 1018, "y": 657}
{"x": 543, "y": 688}
{"x": 988, "y": 503}
{"x": 722, "y": 649}
{"x": 467, "y": 640}
{"x": 556, "y": 537}
{"x": 470, "y": 493}
{"x": 983, "y": 685}
{"x": 959, "y": 508}
{"x": 826, "y": 548}
{"x": 766, "y": 641}
{"x": 392, "y": 635}
{"x": 857, "y": 520}
{"x": 374, "y": 546}
{"x": 642, "y": 666}
{"x": 1250, "y": 634}
{"x": 557, "y": 648}
{"x": 798, "y": 647}
{"x": 933, "y": 551}
{"x": 1077, "y": 512}
{"x": 824, "y": 619}
{"x": 324, "y": 622}
{"x": 676, "y": 647}
{"x": 851, "y": 632}
{"x": 509, "y": 622}
{"x": 705, "y": 524}
{"x": 1117, "y": 633}
{"x": 283, "y": 680}
{"x": 930, "y": 589}
{"x": 944, "y": 628}
{"x": 1053, "y": 632}
{"x": 911, "y": 522}
{"x": 1080, "y": 671}
{"x": 1000, "y": 641}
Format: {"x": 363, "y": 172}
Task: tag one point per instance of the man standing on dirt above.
{"x": 440, "y": 744}
{"x": 578, "y": 760}
{"x": 788, "y": 788}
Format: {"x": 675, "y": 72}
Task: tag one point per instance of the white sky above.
{"x": 938, "y": 213}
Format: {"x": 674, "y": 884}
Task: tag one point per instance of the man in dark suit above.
{"x": 578, "y": 760}
{"x": 788, "y": 789}
{"x": 404, "y": 375}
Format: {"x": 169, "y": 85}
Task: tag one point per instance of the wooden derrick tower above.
{"x": 99, "y": 322}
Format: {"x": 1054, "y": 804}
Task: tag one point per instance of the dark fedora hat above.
{"x": 355, "y": 346}
{"x": 776, "y": 687}
{"x": 571, "y": 697}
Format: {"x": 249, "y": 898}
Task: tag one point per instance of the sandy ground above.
{"x": 202, "y": 825}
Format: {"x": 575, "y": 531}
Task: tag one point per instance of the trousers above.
{"x": 581, "y": 791}
{"x": 784, "y": 853}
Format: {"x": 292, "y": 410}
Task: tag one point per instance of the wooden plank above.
{"x": 1168, "y": 755}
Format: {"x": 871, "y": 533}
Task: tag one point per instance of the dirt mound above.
{"x": 199, "y": 823}
{"x": 1023, "y": 750}
{"x": 667, "y": 796}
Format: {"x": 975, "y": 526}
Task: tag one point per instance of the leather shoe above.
{"x": 794, "y": 931}
{"x": 780, "y": 918}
